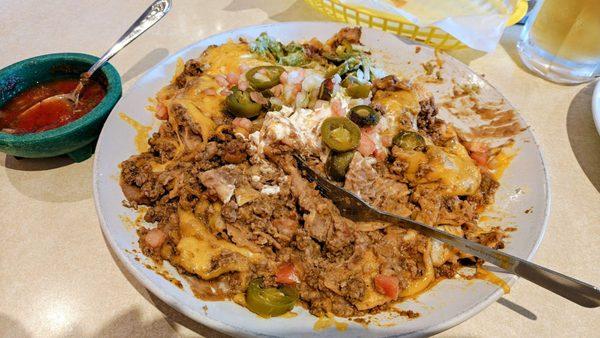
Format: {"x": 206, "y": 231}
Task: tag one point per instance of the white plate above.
{"x": 523, "y": 186}
{"x": 596, "y": 106}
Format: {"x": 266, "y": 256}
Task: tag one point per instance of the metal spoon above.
{"x": 151, "y": 16}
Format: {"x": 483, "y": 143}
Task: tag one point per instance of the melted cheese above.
{"x": 398, "y": 101}
{"x": 500, "y": 162}
{"x": 226, "y": 58}
{"x": 458, "y": 174}
{"x": 328, "y": 321}
{"x": 419, "y": 284}
{"x": 206, "y": 125}
{"x": 219, "y": 60}
{"x": 451, "y": 166}
{"x": 198, "y": 247}
{"x": 210, "y": 105}
{"x": 141, "y": 136}
{"x": 179, "y": 68}
{"x": 370, "y": 268}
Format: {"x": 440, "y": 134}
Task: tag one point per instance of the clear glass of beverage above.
{"x": 561, "y": 40}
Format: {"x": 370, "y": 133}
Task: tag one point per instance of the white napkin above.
{"x": 476, "y": 23}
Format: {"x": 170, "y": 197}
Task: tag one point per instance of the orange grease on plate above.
{"x": 289, "y": 315}
{"x": 141, "y": 137}
{"x": 329, "y": 321}
{"x": 127, "y": 221}
{"x": 500, "y": 162}
{"x": 133, "y": 223}
{"x": 490, "y": 277}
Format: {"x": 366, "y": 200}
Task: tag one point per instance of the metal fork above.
{"x": 354, "y": 208}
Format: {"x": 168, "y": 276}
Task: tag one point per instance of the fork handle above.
{"x": 572, "y": 289}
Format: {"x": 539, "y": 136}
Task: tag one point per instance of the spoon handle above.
{"x": 151, "y": 16}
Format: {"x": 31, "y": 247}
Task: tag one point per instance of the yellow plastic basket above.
{"x": 395, "y": 24}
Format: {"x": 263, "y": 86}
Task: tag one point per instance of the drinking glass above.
{"x": 561, "y": 40}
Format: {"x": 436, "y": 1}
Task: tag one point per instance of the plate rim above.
{"x": 596, "y": 106}
{"x": 226, "y": 328}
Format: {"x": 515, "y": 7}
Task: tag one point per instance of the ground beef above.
{"x": 191, "y": 68}
{"x": 427, "y": 115}
{"x": 347, "y": 34}
{"x": 374, "y": 187}
{"x": 160, "y": 213}
{"x": 162, "y": 144}
{"x": 322, "y": 219}
{"x": 234, "y": 151}
{"x": 429, "y": 123}
{"x": 455, "y": 211}
{"x": 428, "y": 202}
{"x": 447, "y": 270}
{"x": 391, "y": 83}
{"x": 492, "y": 239}
{"x": 264, "y": 204}
{"x": 487, "y": 190}
{"x": 353, "y": 288}
{"x": 138, "y": 182}
{"x": 296, "y": 224}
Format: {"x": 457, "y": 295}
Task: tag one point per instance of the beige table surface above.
{"x": 58, "y": 278}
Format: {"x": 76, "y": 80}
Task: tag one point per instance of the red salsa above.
{"x": 52, "y": 113}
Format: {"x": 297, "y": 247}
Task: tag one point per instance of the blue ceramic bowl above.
{"x": 75, "y": 139}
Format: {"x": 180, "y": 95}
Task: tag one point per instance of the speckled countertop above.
{"x": 58, "y": 278}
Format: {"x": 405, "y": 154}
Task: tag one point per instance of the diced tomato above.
{"x": 297, "y": 89}
{"x": 155, "y": 238}
{"x": 233, "y": 79}
{"x": 477, "y": 147}
{"x": 242, "y": 84}
{"x": 480, "y": 158}
{"x": 221, "y": 80}
{"x": 243, "y": 68}
{"x": 258, "y": 98}
{"x": 387, "y": 285}
{"x": 336, "y": 107}
{"x": 369, "y": 130}
{"x": 277, "y": 90}
{"x": 283, "y": 78}
{"x": 386, "y": 140}
{"x": 286, "y": 274}
{"x": 479, "y": 152}
{"x": 380, "y": 155}
{"x": 161, "y": 112}
{"x": 209, "y": 92}
{"x": 366, "y": 147}
{"x": 242, "y": 122}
